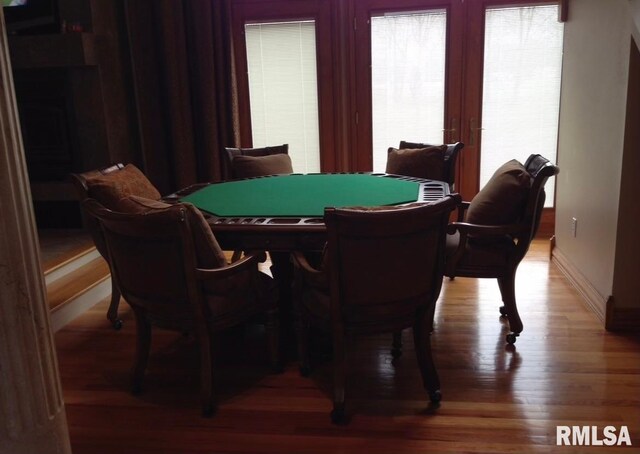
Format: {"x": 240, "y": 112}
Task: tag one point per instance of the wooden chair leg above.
{"x": 301, "y": 323}
{"x": 143, "y": 345}
{"x": 206, "y": 373}
{"x": 338, "y": 415}
{"x": 112, "y": 312}
{"x": 508, "y": 291}
{"x": 396, "y": 346}
{"x": 422, "y": 341}
{"x": 273, "y": 335}
{"x": 503, "y": 309}
{"x": 236, "y": 256}
{"x": 302, "y": 329}
{"x": 282, "y": 271}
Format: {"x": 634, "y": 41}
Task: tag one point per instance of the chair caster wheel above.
{"x": 511, "y": 338}
{"x": 338, "y": 416}
{"x": 305, "y": 371}
{"x": 435, "y": 396}
{"x": 503, "y": 311}
{"x": 117, "y": 324}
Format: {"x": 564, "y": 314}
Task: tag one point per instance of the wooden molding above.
{"x": 52, "y": 51}
{"x": 563, "y": 11}
{"x": 79, "y": 304}
{"x": 593, "y": 299}
{"x": 621, "y": 318}
{"x": 547, "y": 223}
{"x": 32, "y": 406}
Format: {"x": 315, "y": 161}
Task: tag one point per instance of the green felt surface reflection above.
{"x": 301, "y": 195}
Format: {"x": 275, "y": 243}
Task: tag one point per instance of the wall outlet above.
{"x": 574, "y": 227}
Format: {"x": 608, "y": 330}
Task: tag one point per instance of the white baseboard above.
{"x": 592, "y": 298}
{"x": 65, "y": 313}
{"x": 70, "y": 266}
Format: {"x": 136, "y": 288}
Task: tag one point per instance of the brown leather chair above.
{"x": 173, "y": 274}
{"x": 478, "y": 248}
{"x": 382, "y": 272}
{"x": 448, "y": 170}
{"x": 82, "y": 183}
{"x": 256, "y": 162}
{"x": 248, "y": 166}
{"x": 436, "y": 163}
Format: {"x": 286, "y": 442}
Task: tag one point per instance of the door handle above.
{"x": 473, "y": 131}
{"x": 452, "y": 131}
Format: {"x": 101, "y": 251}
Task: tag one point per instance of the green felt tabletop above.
{"x": 300, "y": 195}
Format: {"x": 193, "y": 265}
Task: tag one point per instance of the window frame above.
{"x": 264, "y": 11}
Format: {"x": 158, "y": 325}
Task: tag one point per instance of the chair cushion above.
{"x": 418, "y": 162}
{"x": 109, "y": 189}
{"x": 502, "y": 200}
{"x": 141, "y": 205}
{"x": 208, "y": 252}
{"x": 207, "y": 248}
{"x": 257, "y": 166}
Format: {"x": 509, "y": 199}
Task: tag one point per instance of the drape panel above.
{"x": 182, "y": 78}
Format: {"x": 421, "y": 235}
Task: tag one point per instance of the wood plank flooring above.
{"x": 73, "y": 284}
{"x": 58, "y": 246}
{"x": 564, "y": 370}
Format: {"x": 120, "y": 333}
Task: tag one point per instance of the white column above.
{"x": 32, "y": 417}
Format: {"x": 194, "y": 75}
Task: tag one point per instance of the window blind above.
{"x": 283, "y": 89}
{"x": 521, "y": 88}
{"x": 408, "y": 54}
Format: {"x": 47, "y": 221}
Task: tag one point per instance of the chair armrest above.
{"x": 466, "y": 228}
{"x": 301, "y": 262}
{"x": 247, "y": 263}
{"x": 462, "y": 209}
{"x": 316, "y": 278}
{"x": 478, "y": 231}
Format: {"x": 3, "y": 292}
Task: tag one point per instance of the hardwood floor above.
{"x": 564, "y": 370}
{"x": 59, "y": 246}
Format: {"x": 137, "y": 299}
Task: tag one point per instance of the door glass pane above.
{"x": 283, "y": 89}
{"x": 408, "y": 78}
{"x": 521, "y": 89}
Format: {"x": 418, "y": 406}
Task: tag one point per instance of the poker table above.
{"x": 285, "y": 212}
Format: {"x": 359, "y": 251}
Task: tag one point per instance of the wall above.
{"x": 634, "y": 7}
{"x": 626, "y": 285}
{"x": 76, "y": 102}
{"x": 592, "y": 124}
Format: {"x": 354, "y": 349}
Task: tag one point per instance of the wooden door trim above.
{"x": 469, "y": 161}
{"x": 278, "y": 10}
{"x": 364, "y": 9}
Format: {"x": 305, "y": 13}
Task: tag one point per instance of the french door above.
{"x": 482, "y": 72}
{"x": 343, "y": 80}
{"x": 408, "y": 75}
{"x": 512, "y": 87}
{"x": 284, "y": 66}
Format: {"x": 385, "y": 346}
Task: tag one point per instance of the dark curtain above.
{"x": 182, "y": 75}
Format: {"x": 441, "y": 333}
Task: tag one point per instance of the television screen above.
{"x": 30, "y": 16}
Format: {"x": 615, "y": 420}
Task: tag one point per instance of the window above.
{"x": 281, "y": 59}
{"x": 485, "y": 73}
{"x": 408, "y": 53}
{"x": 521, "y": 89}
